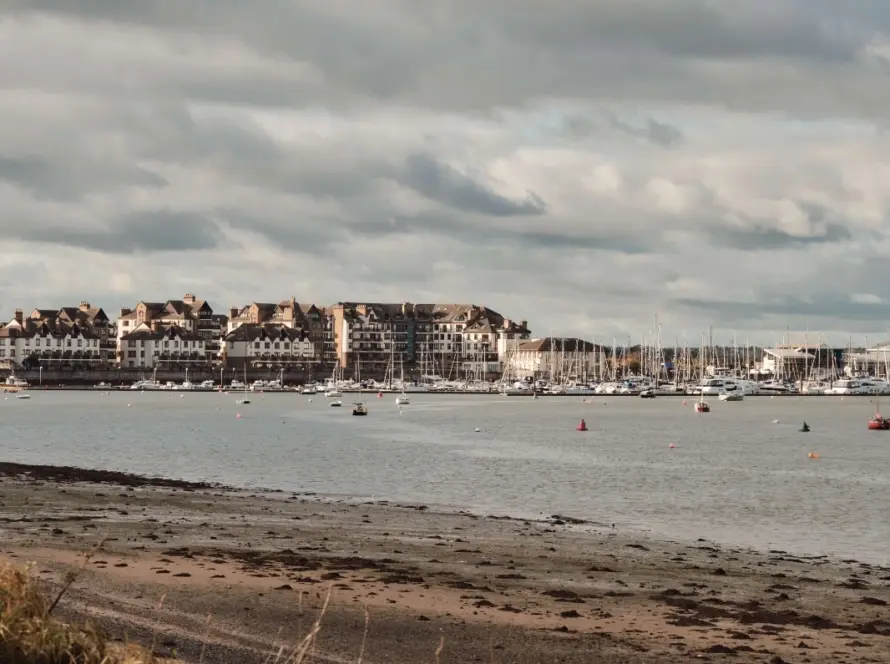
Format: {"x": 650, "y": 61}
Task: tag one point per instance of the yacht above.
{"x": 720, "y": 385}
{"x": 402, "y": 400}
{"x": 12, "y": 381}
{"x": 847, "y": 387}
{"x": 778, "y": 387}
{"x": 206, "y": 385}
{"x": 146, "y": 385}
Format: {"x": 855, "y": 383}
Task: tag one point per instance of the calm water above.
{"x": 735, "y": 476}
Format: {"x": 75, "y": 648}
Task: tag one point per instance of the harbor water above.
{"x": 740, "y": 475}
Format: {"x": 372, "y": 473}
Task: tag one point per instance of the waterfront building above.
{"x": 169, "y": 347}
{"x": 447, "y": 340}
{"x": 787, "y": 362}
{"x": 312, "y": 321}
{"x": 269, "y": 345}
{"x": 192, "y": 317}
{"x": 557, "y": 359}
{"x": 48, "y": 340}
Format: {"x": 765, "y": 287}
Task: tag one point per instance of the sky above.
{"x": 586, "y": 165}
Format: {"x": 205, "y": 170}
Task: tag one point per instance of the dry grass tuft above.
{"x": 30, "y": 635}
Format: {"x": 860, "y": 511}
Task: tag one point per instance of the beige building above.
{"x": 553, "y": 358}
{"x": 306, "y": 318}
{"x": 448, "y": 340}
{"x": 190, "y": 316}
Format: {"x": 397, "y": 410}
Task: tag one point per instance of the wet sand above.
{"x": 260, "y": 566}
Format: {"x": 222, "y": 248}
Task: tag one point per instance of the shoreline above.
{"x": 262, "y": 563}
{"x": 81, "y": 476}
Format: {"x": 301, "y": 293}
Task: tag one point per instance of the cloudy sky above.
{"x": 583, "y": 164}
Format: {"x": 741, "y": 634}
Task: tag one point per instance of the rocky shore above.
{"x": 191, "y": 567}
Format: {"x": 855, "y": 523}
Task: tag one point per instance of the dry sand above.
{"x": 496, "y": 590}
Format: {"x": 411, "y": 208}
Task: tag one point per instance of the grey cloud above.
{"x": 762, "y": 234}
{"x": 135, "y": 232}
{"x": 485, "y": 54}
{"x": 816, "y": 311}
{"x": 654, "y": 131}
{"x": 760, "y": 238}
{"x": 442, "y": 183}
{"x": 68, "y": 182}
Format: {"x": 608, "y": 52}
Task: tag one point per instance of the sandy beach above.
{"x": 190, "y": 567}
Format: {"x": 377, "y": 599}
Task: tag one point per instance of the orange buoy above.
{"x": 582, "y": 426}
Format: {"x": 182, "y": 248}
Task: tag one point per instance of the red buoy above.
{"x": 582, "y": 426}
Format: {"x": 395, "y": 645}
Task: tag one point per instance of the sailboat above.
{"x": 402, "y": 399}
{"x": 244, "y": 390}
{"x": 359, "y": 408}
{"x": 702, "y": 406}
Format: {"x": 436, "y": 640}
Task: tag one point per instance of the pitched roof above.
{"x": 558, "y": 344}
{"x": 259, "y": 331}
{"x": 145, "y": 333}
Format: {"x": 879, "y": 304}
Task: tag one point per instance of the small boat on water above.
{"x": 359, "y": 409}
{"x": 878, "y": 423}
{"x": 702, "y": 406}
{"x": 648, "y": 393}
{"x": 402, "y": 400}
{"x": 243, "y": 401}
{"x": 22, "y": 396}
{"x": 732, "y": 396}
{"x": 335, "y": 404}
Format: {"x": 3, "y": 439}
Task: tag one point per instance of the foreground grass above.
{"x": 29, "y": 634}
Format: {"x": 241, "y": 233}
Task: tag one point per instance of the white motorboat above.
{"x": 243, "y": 401}
{"x": 335, "y": 404}
{"x": 402, "y": 400}
{"x": 12, "y": 381}
{"x": 731, "y": 396}
{"x": 22, "y": 396}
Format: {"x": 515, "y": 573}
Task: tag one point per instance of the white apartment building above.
{"x": 47, "y": 343}
{"x": 173, "y": 347}
{"x": 267, "y": 344}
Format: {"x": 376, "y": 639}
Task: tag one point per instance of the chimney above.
{"x": 507, "y": 323}
{"x": 125, "y": 311}
{"x": 233, "y": 312}
{"x": 19, "y": 316}
{"x": 84, "y": 306}
{"x": 523, "y": 324}
{"x": 189, "y": 298}
{"x": 407, "y": 309}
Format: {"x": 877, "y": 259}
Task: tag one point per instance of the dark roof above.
{"x": 256, "y": 332}
{"x": 54, "y": 328}
{"x": 145, "y": 333}
{"x": 558, "y": 344}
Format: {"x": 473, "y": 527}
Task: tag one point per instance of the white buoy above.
{"x": 129, "y": 404}
{"x": 478, "y": 429}
{"x": 182, "y": 396}
{"x": 310, "y": 400}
